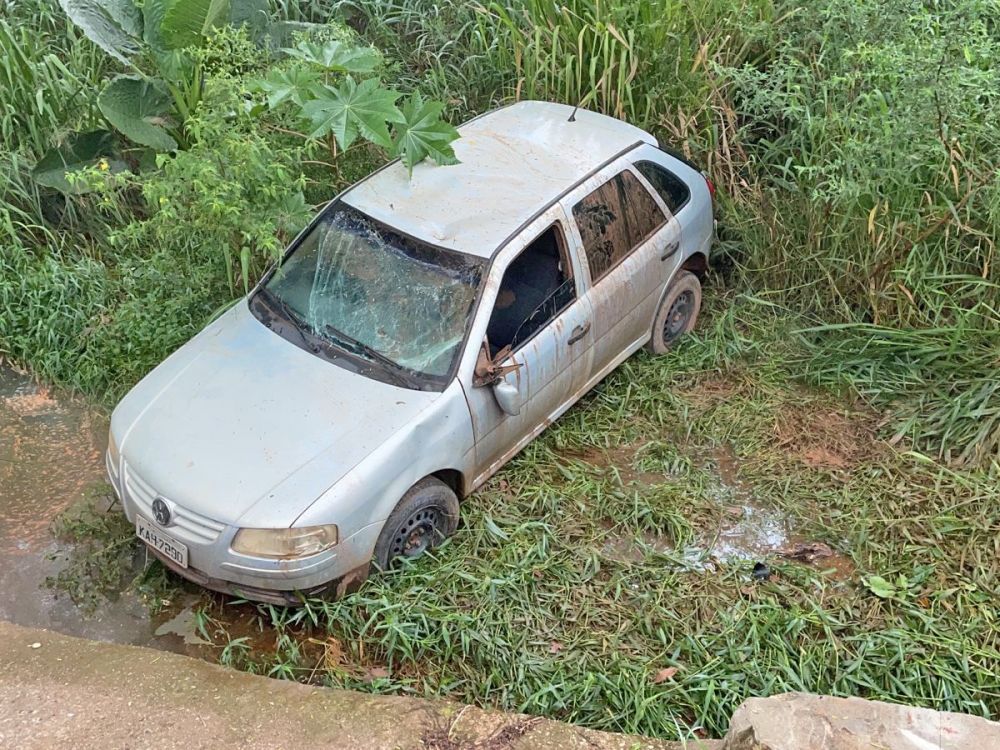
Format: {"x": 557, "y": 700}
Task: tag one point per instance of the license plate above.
{"x": 162, "y": 543}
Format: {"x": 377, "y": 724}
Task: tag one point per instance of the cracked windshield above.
{"x": 361, "y": 286}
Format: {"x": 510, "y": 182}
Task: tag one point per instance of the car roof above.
{"x": 514, "y": 162}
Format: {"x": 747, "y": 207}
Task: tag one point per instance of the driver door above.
{"x": 539, "y": 336}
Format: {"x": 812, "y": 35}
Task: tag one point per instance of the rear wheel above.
{"x": 678, "y": 312}
{"x": 425, "y": 516}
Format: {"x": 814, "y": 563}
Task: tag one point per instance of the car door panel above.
{"x": 625, "y": 297}
{"x": 550, "y": 369}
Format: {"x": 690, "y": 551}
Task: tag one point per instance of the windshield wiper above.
{"x": 361, "y": 349}
{"x": 282, "y": 308}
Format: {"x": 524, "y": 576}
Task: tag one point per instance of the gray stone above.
{"x": 801, "y": 721}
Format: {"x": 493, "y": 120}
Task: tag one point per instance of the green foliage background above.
{"x": 852, "y": 144}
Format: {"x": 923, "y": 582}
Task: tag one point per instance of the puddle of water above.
{"x": 51, "y": 451}
{"x": 185, "y": 625}
{"x": 752, "y": 530}
{"x": 749, "y": 529}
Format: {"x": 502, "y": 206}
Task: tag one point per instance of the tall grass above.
{"x": 871, "y": 148}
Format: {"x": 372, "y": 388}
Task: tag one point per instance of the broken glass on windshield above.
{"x": 361, "y": 286}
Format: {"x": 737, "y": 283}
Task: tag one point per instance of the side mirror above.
{"x": 508, "y": 397}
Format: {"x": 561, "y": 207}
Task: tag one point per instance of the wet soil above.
{"x": 748, "y": 529}
{"x": 51, "y": 453}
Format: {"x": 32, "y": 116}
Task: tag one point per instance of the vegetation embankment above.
{"x": 855, "y": 153}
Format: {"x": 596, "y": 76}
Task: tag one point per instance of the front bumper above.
{"x": 214, "y": 565}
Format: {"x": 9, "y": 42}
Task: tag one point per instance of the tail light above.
{"x": 711, "y": 186}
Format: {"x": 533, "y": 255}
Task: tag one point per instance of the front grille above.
{"x": 187, "y": 525}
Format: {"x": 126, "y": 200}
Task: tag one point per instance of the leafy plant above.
{"x": 322, "y": 89}
{"x": 231, "y": 196}
{"x": 78, "y": 152}
{"x": 151, "y": 109}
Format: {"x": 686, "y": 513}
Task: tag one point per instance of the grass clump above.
{"x": 101, "y": 555}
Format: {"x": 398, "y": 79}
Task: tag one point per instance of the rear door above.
{"x": 629, "y": 247}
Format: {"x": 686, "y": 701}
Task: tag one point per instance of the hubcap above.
{"x": 417, "y": 533}
{"x": 678, "y": 316}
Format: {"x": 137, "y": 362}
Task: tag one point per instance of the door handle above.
{"x": 578, "y": 333}
{"x": 671, "y": 249}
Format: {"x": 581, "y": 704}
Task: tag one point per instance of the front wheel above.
{"x": 425, "y": 516}
{"x": 678, "y": 312}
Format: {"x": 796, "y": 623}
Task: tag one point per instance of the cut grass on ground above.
{"x": 580, "y": 584}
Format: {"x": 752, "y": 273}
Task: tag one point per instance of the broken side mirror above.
{"x": 489, "y": 371}
{"x": 508, "y": 397}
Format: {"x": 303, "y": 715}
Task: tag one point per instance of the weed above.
{"x": 103, "y": 555}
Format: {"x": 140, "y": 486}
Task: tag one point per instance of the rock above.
{"x": 800, "y": 721}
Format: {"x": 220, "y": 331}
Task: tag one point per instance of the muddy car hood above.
{"x": 244, "y": 427}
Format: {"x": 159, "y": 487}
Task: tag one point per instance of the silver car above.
{"x": 417, "y": 335}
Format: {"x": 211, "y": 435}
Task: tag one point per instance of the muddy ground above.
{"x": 52, "y": 468}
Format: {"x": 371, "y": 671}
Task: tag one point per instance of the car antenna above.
{"x": 593, "y": 90}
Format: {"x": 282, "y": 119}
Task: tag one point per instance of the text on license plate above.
{"x": 161, "y": 542}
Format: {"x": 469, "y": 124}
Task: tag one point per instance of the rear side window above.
{"x": 614, "y": 220}
{"x": 670, "y": 187}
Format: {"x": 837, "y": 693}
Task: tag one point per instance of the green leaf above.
{"x": 125, "y": 14}
{"x": 292, "y": 84}
{"x": 354, "y": 109}
{"x": 100, "y": 27}
{"x": 248, "y": 11}
{"x": 282, "y": 33}
{"x": 140, "y": 110}
{"x": 495, "y": 530}
{"x": 174, "y": 65}
{"x": 186, "y": 23}
{"x": 153, "y": 12}
{"x": 880, "y": 587}
{"x": 423, "y": 133}
{"x": 292, "y": 213}
{"x": 76, "y": 153}
{"x": 254, "y": 16}
{"x": 336, "y": 56}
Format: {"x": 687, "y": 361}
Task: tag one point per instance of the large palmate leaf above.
{"x": 423, "y": 133}
{"x": 140, "y": 110}
{"x": 336, "y": 56}
{"x": 101, "y": 27}
{"x": 187, "y": 22}
{"x": 294, "y": 84}
{"x": 74, "y": 154}
{"x": 364, "y": 108}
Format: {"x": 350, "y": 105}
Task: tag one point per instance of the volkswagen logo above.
{"x": 161, "y": 512}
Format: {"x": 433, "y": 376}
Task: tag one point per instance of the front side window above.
{"x": 615, "y": 219}
{"x": 535, "y": 288}
{"x": 357, "y": 285}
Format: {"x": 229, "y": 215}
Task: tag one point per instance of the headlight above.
{"x": 284, "y": 543}
{"x": 113, "y": 449}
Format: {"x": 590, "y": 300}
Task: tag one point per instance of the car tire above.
{"x": 677, "y": 314}
{"x": 425, "y": 516}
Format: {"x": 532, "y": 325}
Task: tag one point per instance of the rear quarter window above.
{"x": 672, "y": 189}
